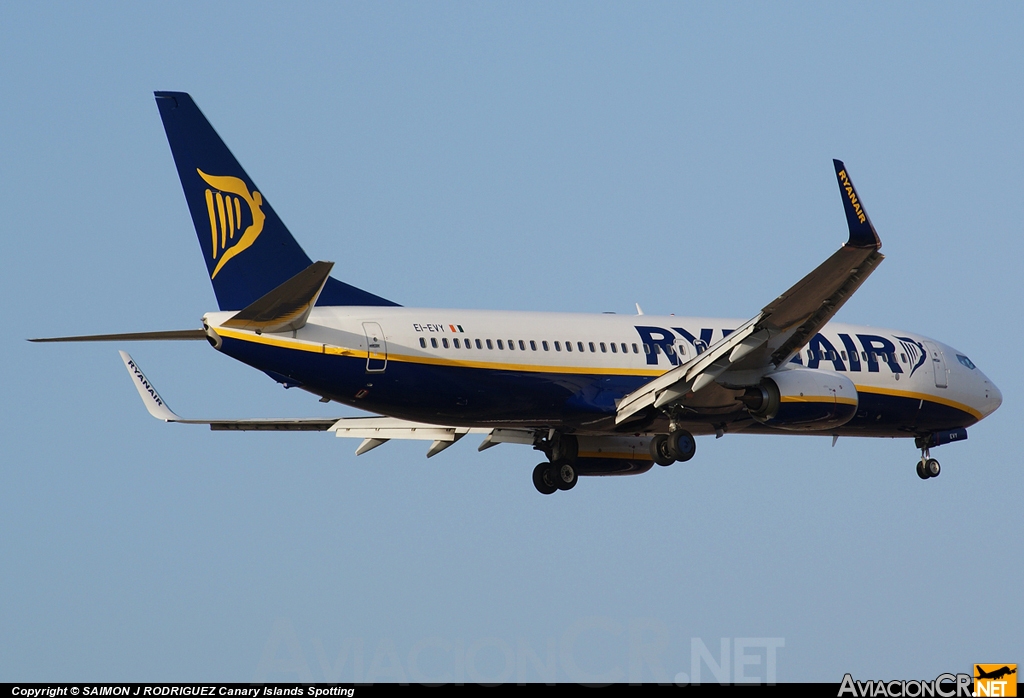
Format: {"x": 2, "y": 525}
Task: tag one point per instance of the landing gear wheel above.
{"x": 921, "y": 472}
{"x": 565, "y": 475}
{"x": 660, "y": 452}
{"x": 931, "y": 466}
{"x": 681, "y": 445}
{"x": 543, "y": 479}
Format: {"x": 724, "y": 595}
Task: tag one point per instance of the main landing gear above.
{"x": 927, "y": 467}
{"x": 678, "y": 446}
{"x": 559, "y": 473}
{"x": 549, "y": 477}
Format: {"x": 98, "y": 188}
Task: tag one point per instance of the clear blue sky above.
{"x": 538, "y": 156}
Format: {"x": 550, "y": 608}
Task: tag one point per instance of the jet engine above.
{"x": 802, "y": 399}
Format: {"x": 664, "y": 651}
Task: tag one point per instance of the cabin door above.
{"x": 938, "y": 365}
{"x": 376, "y": 348}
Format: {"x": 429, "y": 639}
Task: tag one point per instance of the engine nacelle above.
{"x": 802, "y": 399}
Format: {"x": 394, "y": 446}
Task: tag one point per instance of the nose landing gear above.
{"x": 927, "y": 467}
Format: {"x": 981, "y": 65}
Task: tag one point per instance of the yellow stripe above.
{"x": 819, "y": 398}
{"x": 920, "y": 396}
{"x": 621, "y": 456}
{"x": 223, "y": 224}
{"x": 231, "y": 216}
{"x": 318, "y": 348}
{"x": 213, "y": 222}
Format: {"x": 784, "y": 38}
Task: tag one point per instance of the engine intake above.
{"x": 801, "y": 399}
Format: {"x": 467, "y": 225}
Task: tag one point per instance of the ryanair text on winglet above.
{"x": 944, "y": 686}
{"x": 853, "y": 196}
{"x": 145, "y": 383}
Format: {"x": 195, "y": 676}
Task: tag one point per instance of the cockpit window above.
{"x": 965, "y": 361}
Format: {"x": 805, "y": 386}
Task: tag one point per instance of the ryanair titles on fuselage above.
{"x": 874, "y": 350}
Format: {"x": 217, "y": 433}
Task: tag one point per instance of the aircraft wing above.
{"x": 777, "y": 333}
{"x": 374, "y": 430}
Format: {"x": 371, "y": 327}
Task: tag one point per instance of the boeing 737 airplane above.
{"x": 596, "y": 394}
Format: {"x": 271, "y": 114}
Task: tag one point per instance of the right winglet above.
{"x": 150, "y": 398}
{"x": 862, "y": 233}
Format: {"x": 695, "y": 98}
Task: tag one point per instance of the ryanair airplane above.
{"x": 596, "y": 394}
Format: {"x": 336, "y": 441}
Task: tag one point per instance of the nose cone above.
{"x": 993, "y": 398}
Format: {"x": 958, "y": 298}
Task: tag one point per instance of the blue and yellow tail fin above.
{"x": 248, "y": 249}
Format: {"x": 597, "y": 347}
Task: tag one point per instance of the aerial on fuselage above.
{"x": 596, "y": 394}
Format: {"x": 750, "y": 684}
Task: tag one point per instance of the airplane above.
{"x": 596, "y": 394}
{"x": 996, "y": 674}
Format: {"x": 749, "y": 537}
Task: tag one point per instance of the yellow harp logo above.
{"x": 224, "y": 202}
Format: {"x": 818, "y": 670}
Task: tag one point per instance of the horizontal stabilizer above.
{"x": 286, "y": 307}
{"x": 129, "y": 336}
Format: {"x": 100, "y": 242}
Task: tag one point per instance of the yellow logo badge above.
{"x": 224, "y": 202}
{"x": 995, "y": 679}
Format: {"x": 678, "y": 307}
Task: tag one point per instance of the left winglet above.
{"x": 150, "y": 397}
{"x": 862, "y": 233}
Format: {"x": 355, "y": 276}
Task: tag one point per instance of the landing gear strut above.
{"x": 927, "y": 467}
{"x": 676, "y": 447}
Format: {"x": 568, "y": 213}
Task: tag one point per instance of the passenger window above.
{"x": 614, "y": 349}
{"x": 579, "y": 345}
{"x": 603, "y": 349}
{"x": 647, "y": 348}
{"x": 669, "y": 351}
{"x": 592, "y": 350}
{"x": 489, "y": 345}
{"x": 500, "y": 345}
{"x": 568, "y": 346}
{"x": 624, "y": 349}
{"x": 423, "y": 342}
{"x": 478, "y": 345}
{"x": 558, "y": 346}
{"x": 456, "y": 342}
{"x": 468, "y": 343}
{"x": 903, "y": 357}
{"x": 657, "y": 349}
{"x": 522, "y": 345}
{"x": 444, "y": 342}
{"x": 433, "y": 342}
{"x": 864, "y": 355}
{"x": 635, "y": 349}
{"x": 843, "y": 354}
{"x": 511, "y": 345}
{"x": 533, "y": 346}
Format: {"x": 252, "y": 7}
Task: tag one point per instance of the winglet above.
{"x": 150, "y": 398}
{"x": 862, "y": 233}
